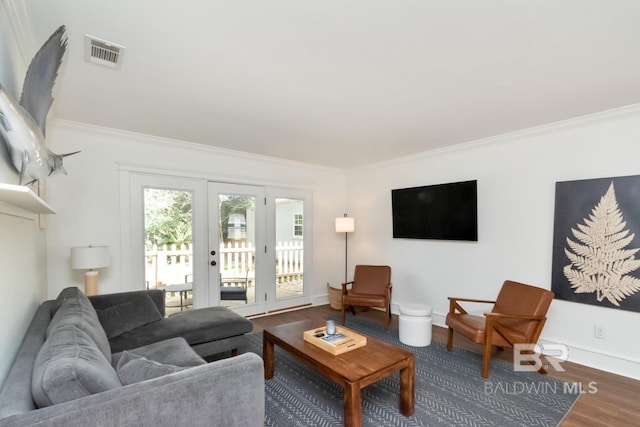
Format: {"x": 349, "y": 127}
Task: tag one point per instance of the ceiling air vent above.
{"x": 102, "y": 52}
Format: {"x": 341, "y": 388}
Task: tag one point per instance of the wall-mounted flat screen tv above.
{"x": 442, "y": 212}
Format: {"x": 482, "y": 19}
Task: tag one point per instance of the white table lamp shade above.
{"x": 345, "y": 225}
{"x": 89, "y": 257}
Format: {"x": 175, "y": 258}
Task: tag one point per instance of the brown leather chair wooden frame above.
{"x": 371, "y": 287}
{"x": 517, "y": 317}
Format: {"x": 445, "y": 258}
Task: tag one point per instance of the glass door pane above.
{"x": 289, "y": 250}
{"x": 236, "y": 230}
{"x": 168, "y": 246}
{"x": 237, "y": 249}
{"x": 289, "y": 244}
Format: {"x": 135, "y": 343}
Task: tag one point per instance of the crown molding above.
{"x": 21, "y": 28}
{"x": 174, "y": 143}
{"x": 611, "y": 114}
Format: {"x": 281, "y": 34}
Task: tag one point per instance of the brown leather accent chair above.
{"x": 371, "y": 287}
{"x": 517, "y": 317}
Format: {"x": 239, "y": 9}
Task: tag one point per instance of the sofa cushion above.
{"x": 69, "y": 366}
{"x": 133, "y": 368}
{"x": 126, "y": 316}
{"x": 76, "y": 309}
{"x": 196, "y": 326}
{"x": 174, "y": 351}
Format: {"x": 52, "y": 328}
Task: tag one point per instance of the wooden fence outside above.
{"x": 172, "y": 265}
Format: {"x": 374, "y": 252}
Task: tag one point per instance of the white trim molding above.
{"x": 509, "y": 136}
{"x": 21, "y": 28}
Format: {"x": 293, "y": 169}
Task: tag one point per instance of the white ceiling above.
{"x": 343, "y": 83}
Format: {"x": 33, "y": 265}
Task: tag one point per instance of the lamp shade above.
{"x": 345, "y": 224}
{"x": 88, "y": 257}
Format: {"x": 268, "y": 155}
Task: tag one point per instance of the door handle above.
{"x": 213, "y": 262}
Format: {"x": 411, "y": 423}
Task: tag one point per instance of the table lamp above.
{"x": 90, "y": 258}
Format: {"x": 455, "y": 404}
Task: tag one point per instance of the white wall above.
{"x": 516, "y": 188}
{"x": 88, "y": 198}
{"x": 22, "y": 243}
{"x": 12, "y": 72}
{"x": 22, "y": 284}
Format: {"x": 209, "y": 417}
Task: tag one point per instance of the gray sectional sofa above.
{"x": 115, "y": 360}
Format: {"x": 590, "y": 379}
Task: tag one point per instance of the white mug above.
{"x": 331, "y": 327}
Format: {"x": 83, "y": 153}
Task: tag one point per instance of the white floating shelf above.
{"x": 22, "y": 197}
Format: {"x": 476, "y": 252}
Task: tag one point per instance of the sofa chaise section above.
{"x": 209, "y": 331}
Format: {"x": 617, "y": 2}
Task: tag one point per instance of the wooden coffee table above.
{"x": 353, "y": 370}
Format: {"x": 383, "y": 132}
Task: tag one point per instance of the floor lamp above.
{"x": 345, "y": 225}
{"x": 90, "y": 258}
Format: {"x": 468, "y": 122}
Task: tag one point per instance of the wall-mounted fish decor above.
{"x": 22, "y": 125}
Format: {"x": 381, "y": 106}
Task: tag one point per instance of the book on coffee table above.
{"x": 342, "y": 341}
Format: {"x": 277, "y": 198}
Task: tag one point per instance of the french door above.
{"x": 289, "y": 248}
{"x": 237, "y": 238}
{"x": 209, "y": 243}
{"x": 257, "y": 239}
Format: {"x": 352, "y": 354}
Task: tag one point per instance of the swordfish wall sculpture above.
{"x": 22, "y": 125}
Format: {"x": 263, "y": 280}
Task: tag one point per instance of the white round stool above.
{"x": 415, "y": 324}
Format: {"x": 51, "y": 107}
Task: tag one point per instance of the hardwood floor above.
{"x": 615, "y": 400}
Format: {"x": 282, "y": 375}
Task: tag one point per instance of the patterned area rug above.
{"x": 449, "y": 391}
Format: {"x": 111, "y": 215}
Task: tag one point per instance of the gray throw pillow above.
{"x": 133, "y": 368}
{"x": 68, "y": 366}
{"x": 129, "y": 315}
{"x": 173, "y": 351}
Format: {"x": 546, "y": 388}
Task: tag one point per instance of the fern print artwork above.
{"x": 596, "y": 255}
{"x": 600, "y": 263}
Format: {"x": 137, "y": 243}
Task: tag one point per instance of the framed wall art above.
{"x": 596, "y": 242}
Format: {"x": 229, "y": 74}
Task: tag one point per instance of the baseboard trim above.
{"x": 596, "y": 359}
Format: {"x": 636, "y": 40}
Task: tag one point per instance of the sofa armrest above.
{"x": 228, "y": 392}
{"x": 100, "y": 302}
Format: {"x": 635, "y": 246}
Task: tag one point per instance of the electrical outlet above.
{"x": 598, "y": 331}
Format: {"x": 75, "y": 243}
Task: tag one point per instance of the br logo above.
{"x": 528, "y": 357}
